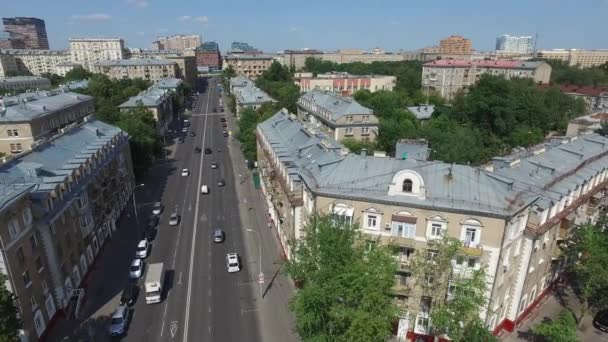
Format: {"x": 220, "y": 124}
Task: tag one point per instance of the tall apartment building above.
{"x": 58, "y": 205}
{"x": 88, "y": 51}
{"x": 177, "y": 42}
{"x": 208, "y": 55}
{"x": 147, "y": 69}
{"x": 457, "y": 45}
{"x": 343, "y": 83}
{"x": 447, "y": 77}
{"x": 509, "y": 222}
{"x": 337, "y": 116}
{"x": 250, "y": 66}
{"x": 576, "y": 57}
{"x": 37, "y": 62}
{"x": 28, "y": 119}
{"x": 30, "y": 32}
{"x": 513, "y": 44}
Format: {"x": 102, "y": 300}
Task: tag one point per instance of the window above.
{"x": 13, "y": 228}
{"x": 436, "y": 230}
{"x": 373, "y": 222}
{"x": 9, "y": 132}
{"x": 45, "y": 286}
{"x": 407, "y": 185}
{"x": 402, "y": 229}
{"x": 429, "y": 279}
{"x": 364, "y": 130}
{"x": 20, "y": 255}
{"x": 472, "y": 262}
{"x": 365, "y": 118}
{"x": 348, "y": 131}
{"x": 27, "y": 281}
{"x": 19, "y": 148}
{"x": 451, "y": 289}
{"x": 471, "y": 237}
{"x": 431, "y": 255}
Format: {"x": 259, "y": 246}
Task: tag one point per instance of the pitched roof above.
{"x": 336, "y": 105}
{"x": 151, "y": 97}
{"x": 29, "y": 106}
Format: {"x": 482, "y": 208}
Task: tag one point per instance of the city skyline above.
{"x": 276, "y": 26}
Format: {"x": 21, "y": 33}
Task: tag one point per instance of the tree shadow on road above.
{"x": 271, "y": 282}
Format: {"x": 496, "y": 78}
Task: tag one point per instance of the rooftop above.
{"x": 336, "y": 105}
{"x": 75, "y": 85}
{"x": 151, "y": 97}
{"x": 135, "y": 62}
{"x": 249, "y": 57}
{"x": 240, "y": 81}
{"x": 423, "y": 112}
{"x": 340, "y": 74}
{"x": 579, "y": 90}
{"x": 450, "y": 63}
{"x": 29, "y": 106}
{"x": 18, "y": 79}
{"x": 168, "y": 83}
{"x": 250, "y": 94}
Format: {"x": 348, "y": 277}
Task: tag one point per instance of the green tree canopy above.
{"x": 145, "y": 144}
{"x": 247, "y": 124}
{"x": 9, "y": 322}
{"x": 562, "y": 329}
{"x": 347, "y": 281}
{"x": 78, "y": 73}
{"x": 562, "y": 73}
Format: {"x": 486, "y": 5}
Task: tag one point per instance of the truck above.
{"x": 154, "y": 283}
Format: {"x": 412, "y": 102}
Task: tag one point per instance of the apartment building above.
{"x": 89, "y": 51}
{"x": 296, "y": 59}
{"x": 586, "y": 123}
{"x": 343, "y": 83}
{"x": 61, "y": 69}
{"x": 24, "y": 82}
{"x": 248, "y": 65}
{"x": 457, "y": 45}
{"x": 353, "y": 56}
{"x": 147, "y": 69}
{"x": 37, "y": 62}
{"x": 513, "y": 44}
{"x": 447, "y": 77}
{"x": 8, "y": 65}
{"x": 337, "y": 116}
{"x": 30, "y": 33}
{"x": 31, "y": 118}
{"x": 178, "y": 42}
{"x": 511, "y": 216}
{"x": 186, "y": 68}
{"x": 595, "y": 97}
{"x": 247, "y": 95}
{"x": 576, "y": 57}
{"x": 58, "y": 205}
{"x": 208, "y": 55}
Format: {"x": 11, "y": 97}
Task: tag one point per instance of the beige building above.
{"x": 63, "y": 68}
{"x": 28, "y": 119}
{"x": 248, "y": 65}
{"x": 58, "y": 205}
{"x": 24, "y": 82}
{"x": 37, "y": 62}
{"x": 147, "y": 69}
{"x": 457, "y": 45}
{"x": 177, "y": 42}
{"x": 158, "y": 101}
{"x": 576, "y": 57}
{"x": 513, "y": 231}
{"x": 186, "y": 68}
{"x": 352, "y": 56}
{"x": 88, "y": 51}
{"x": 247, "y": 95}
{"x": 448, "y": 77}
{"x": 343, "y": 83}
{"x": 296, "y": 59}
{"x": 337, "y": 116}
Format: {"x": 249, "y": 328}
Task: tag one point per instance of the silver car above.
{"x": 120, "y": 321}
{"x": 174, "y": 219}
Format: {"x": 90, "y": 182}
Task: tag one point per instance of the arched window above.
{"x": 407, "y": 185}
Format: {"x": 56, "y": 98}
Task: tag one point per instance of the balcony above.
{"x": 398, "y": 241}
{"x": 400, "y": 289}
{"x": 472, "y": 249}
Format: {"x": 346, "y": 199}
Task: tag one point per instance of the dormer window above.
{"x": 407, "y": 185}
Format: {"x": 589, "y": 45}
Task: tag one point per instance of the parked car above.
{"x": 221, "y": 182}
{"x": 152, "y": 221}
{"x": 232, "y": 262}
{"x": 218, "y": 236}
{"x": 192, "y": 134}
{"x": 142, "y": 249}
{"x": 214, "y": 165}
{"x": 225, "y": 133}
{"x": 148, "y": 234}
{"x": 157, "y": 208}
{"x": 224, "y": 124}
{"x": 223, "y": 119}
{"x": 600, "y": 321}
{"x": 204, "y": 189}
{"x": 136, "y": 269}
{"x": 120, "y": 321}
{"x": 207, "y": 150}
{"x": 129, "y": 294}
{"x": 184, "y": 130}
{"x": 174, "y": 219}
{"x": 185, "y": 172}
{"x": 197, "y": 150}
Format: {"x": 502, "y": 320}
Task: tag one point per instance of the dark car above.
{"x": 152, "y": 221}
{"x": 197, "y": 150}
{"x": 600, "y": 321}
{"x": 218, "y": 236}
{"x": 223, "y": 119}
{"x": 192, "y": 134}
{"x": 221, "y": 182}
{"x": 129, "y": 294}
{"x": 225, "y": 133}
{"x": 224, "y": 124}
{"x": 207, "y": 150}
{"x": 148, "y": 234}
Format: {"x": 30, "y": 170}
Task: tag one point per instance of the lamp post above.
{"x": 135, "y": 203}
{"x": 261, "y": 275}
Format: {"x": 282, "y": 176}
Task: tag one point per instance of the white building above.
{"x": 513, "y": 44}
{"x": 88, "y": 51}
{"x": 36, "y": 62}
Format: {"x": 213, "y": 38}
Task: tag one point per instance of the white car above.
{"x": 185, "y": 172}
{"x": 136, "y": 269}
{"x": 141, "y": 251}
{"x": 214, "y": 165}
{"x": 174, "y": 219}
{"x": 184, "y": 130}
{"x": 232, "y": 262}
{"x": 204, "y": 189}
{"x": 157, "y": 209}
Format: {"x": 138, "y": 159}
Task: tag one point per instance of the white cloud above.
{"x": 203, "y": 19}
{"x": 184, "y": 18}
{"x": 91, "y": 17}
{"x": 138, "y": 3}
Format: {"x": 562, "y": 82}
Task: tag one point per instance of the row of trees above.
{"x": 562, "y": 73}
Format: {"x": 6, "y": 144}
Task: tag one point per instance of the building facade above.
{"x": 448, "y": 77}
{"x": 28, "y": 119}
{"x": 186, "y": 68}
{"x": 296, "y": 59}
{"x": 354, "y": 56}
{"x": 337, "y": 116}
{"x": 59, "y": 204}
{"x": 30, "y": 32}
{"x": 595, "y": 97}
{"x": 88, "y": 51}
{"x": 24, "y": 82}
{"x": 208, "y": 55}
{"x": 63, "y": 68}
{"x": 247, "y": 95}
{"x": 250, "y": 66}
{"x": 343, "y": 83}
{"x": 509, "y": 222}
{"x": 457, "y": 45}
{"x": 37, "y": 62}
{"x": 177, "y": 42}
{"x": 147, "y": 69}
{"x": 576, "y": 57}
{"x": 512, "y": 44}
{"x": 8, "y": 65}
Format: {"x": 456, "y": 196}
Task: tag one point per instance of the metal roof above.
{"x": 336, "y": 105}
{"x": 168, "y": 83}
{"x": 250, "y": 94}
{"x": 151, "y": 97}
{"x": 29, "y": 106}
{"x": 423, "y": 112}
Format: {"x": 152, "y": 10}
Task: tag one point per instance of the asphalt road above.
{"x": 203, "y": 301}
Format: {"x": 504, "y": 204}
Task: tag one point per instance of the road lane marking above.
{"x": 179, "y": 282}
{"x": 173, "y": 328}
{"x": 193, "y": 247}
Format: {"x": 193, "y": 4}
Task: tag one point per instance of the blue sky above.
{"x": 273, "y": 25}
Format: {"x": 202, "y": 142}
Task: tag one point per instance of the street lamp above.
{"x": 261, "y": 275}
{"x": 135, "y": 203}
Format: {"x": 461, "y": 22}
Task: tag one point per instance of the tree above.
{"x": 145, "y": 144}
{"x": 563, "y": 73}
{"x": 603, "y": 130}
{"x": 562, "y": 329}
{"x": 346, "y": 284}
{"x": 9, "y": 322}
{"x": 225, "y": 77}
{"x": 356, "y": 146}
{"x": 55, "y": 79}
{"x": 247, "y": 124}
{"x": 77, "y": 73}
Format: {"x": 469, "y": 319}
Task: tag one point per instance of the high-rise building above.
{"x": 455, "y": 45}
{"x": 513, "y": 44}
{"x": 242, "y": 47}
{"x": 177, "y": 42}
{"x": 88, "y": 51}
{"x": 30, "y": 32}
{"x": 208, "y": 55}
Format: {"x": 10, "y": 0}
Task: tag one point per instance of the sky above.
{"x": 273, "y": 25}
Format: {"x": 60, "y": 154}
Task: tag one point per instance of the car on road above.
{"x": 185, "y": 172}
{"x": 225, "y": 133}
{"x": 152, "y": 221}
{"x": 218, "y": 236}
{"x": 204, "y": 189}
{"x": 181, "y": 140}
{"x": 157, "y": 208}
{"x": 136, "y": 269}
{"x": 214, "y": 165}
{"x": 174, "y": 219}
{"x": 221, "y": 182}
{"x": 119, "y": 321}
{"x": 224, "y": 124}
{"x": 184, "y": 130}
{"x": 223, "y": 119}
{"x": 232, "y": 262}
{"x": 207, "y": 150}
{"x": 192, "y": 134}
{"x": 129, "y": 294}
{"x": 141, "y": 251}
{"x": 186, "y": 123}
{"x": 197, "y": 150}
{"x": 600, "y": 321}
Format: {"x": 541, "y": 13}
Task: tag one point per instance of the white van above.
{"x": 204, "y": 189}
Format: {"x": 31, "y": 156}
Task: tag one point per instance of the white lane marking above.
{"x": 198, "y": 197}
{"x": 179, "y": 282}
{"x": 173, "y": 328}
{"x": 162, "y": 328}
